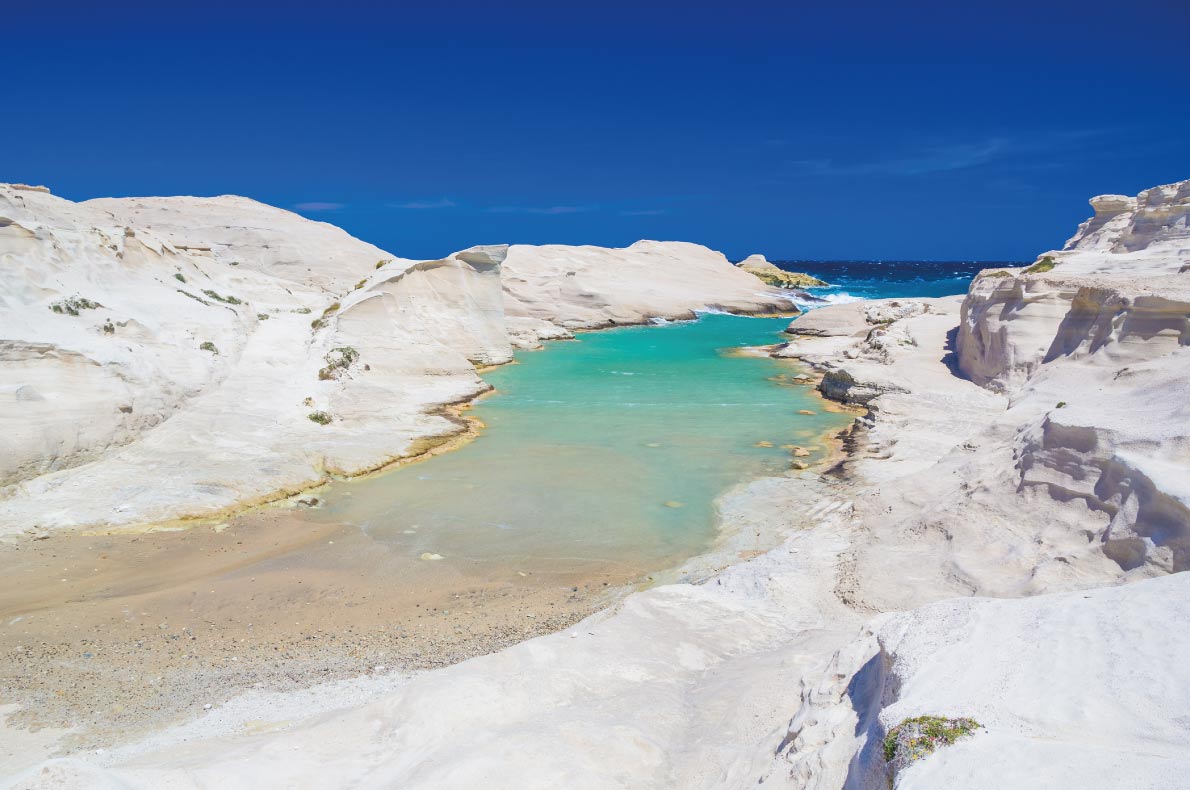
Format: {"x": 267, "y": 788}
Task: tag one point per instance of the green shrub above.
{"x": 338, "y": 360}
{"x": 320, "y": 417}
{"x": 384, "y": 262}
{"x": 178, "y": 276}
{"x": 301, "y": 310}
{"x": 997, "y": 273}
{"x": 1061, "y": 404}
{"x": 360, "y": 284}
{"x": 198, "y": 299}
{"x": 262, "y": 316}
{"x": 1043, "y": 265}
{"x": 224, "y": 299}
{"x": 72, "y": 305}
{"x": 209, "y": 346}
{"x": 919, "y": 737}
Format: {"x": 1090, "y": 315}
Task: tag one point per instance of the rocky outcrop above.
{"x": 170, "y": 357}
{"x": 1099, "y": 343}
{"x": 593, "y": 287}
{"x": 1041, "y": 676}
{"x": 773, "y": 275}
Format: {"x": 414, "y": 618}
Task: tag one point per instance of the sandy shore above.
{"x": 116, "y": 633}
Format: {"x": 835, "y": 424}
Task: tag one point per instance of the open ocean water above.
{"x": 852, "y": 280}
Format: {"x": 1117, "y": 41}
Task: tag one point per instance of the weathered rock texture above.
{"x": 986, "y": 467}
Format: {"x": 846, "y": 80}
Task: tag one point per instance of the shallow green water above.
{"x": 608, "y": 451}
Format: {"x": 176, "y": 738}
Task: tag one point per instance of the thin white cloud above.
{"x": 427, "y": 204}
{"x": 645, "y": 212}
{"x": 551, "y": 210}
{"x": 931, "y": 160}
{"x": 318, "y": 206}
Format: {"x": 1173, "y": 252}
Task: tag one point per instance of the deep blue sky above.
{"x": 801, "y": 130}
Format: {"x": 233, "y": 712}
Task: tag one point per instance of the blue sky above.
{"x": 859, "y": 130}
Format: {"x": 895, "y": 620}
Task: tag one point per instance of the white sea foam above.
{"x": 842, "y": 297}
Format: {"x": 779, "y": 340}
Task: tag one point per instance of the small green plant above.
{"x": 1043, "y": 265}
{"x": 109, "y": 328}
{"x": 997, "y": 273}
{"x": 262, "y": 316}
{"x": 1061, "y": 404}
{"x": 919, "y": 737}
{"x": 178, "y": 276}
{"x": 360, "y": 284}
{"x": 320, "y": 417}
{"x": 198, "y": 299}
{"x": 207, "y": 345}
{"x": 224, "y": 299}
{"x": 338, "y": 360}
{"x": 73, "y": 305}
{"x": 384, "y": 262}
{"x": 301, "y": 310}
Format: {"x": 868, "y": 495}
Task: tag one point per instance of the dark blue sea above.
{"x": 852, "y": 280}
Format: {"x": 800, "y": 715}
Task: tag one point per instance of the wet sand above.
{"x": 117, "y": 635}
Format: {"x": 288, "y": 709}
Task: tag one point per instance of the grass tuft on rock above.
{"x": 919, "y": 737}
{"x": 338, "y": 360}
{"x": 207, "y": 345}
{"x": 384, "y": 262}
{"x": 320, "y": 322}
{"x": 178, "y": 276}
{"x": 224, "y": 299}
{"x": 320, "y": 417}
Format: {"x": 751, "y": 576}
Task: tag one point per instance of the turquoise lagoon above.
{"x": 605, "y": 453}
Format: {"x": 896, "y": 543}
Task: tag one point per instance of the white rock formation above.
{"x": 965, "y": 478}
{"x": 162, "y": 357}
{"x": 594, "y": 287}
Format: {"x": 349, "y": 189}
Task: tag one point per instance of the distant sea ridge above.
{"x": 882, "y": 279}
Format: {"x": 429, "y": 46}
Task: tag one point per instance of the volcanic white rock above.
{"x": 170, "y": 357}
{"x": 1027, "y": 443}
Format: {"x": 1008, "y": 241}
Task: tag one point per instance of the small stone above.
{"x": 673, "y": 503}
{"x": 763, "y": 444}
{"x": 806, "y": 411}
{"x": 431, "y": 556}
